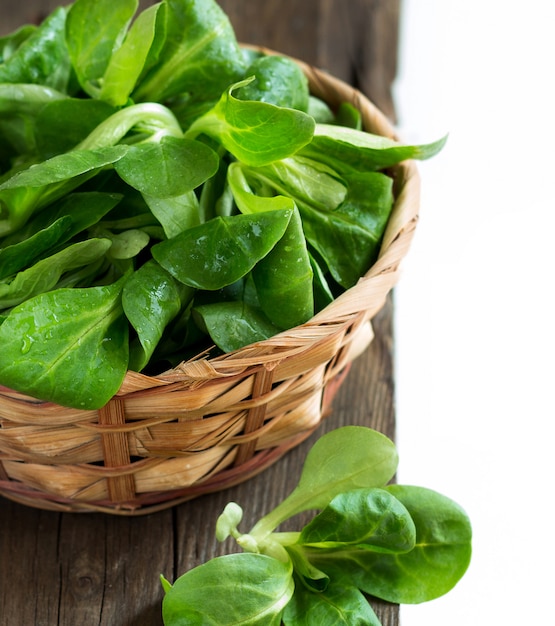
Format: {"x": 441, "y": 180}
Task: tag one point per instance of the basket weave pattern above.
{"x": 211, "y": 422}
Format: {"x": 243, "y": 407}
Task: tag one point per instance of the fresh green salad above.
{"x": 163, "y": 190}
{"x": 401, "y": 543}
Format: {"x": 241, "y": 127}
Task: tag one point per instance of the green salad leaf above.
{"x": 199, "y": 56}
{"x": 254, "y": 132}
{"x": 20, "y": 106}
{"x": 70, "y": 345}
{"x": 338, "y": 605}
{"x": 439, "y": 558}
{"x": 45, "y": 274}
{"x": 92, "y": 39}
{"x": 234, "y": 324}
{"x": 250, "y": 589}
{"x": 64, "y": 123}
{"x": 15, "y": 257}
{"x": 319, "y": 484}
{"x": 126, "y": 65}
{"x": 277, "y": 80}
{"x": 404, "y": 544}
{"x": 365, "y": 519}
{"x": 171, "y": 167}
{"x": 220, "y": 252}
{"x": 42, "y": 184}
{"x": 151, "y": 299}
{"x": 350, "y": 150}
{"x": 41, "y": 58}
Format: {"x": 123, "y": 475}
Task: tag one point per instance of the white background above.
{"x": 474, "y": 306}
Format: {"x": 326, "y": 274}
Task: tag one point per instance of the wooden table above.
{"x": 89, "y": 569}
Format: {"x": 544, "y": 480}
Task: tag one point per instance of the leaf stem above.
{"x": 286, "y": 509}
{"x": 152, "y": 116}
{"x": 286, "y": 538}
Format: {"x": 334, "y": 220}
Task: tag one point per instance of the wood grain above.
{"x": 92, "y": 569}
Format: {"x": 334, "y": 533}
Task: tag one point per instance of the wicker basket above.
{"x": 210, "y": 423}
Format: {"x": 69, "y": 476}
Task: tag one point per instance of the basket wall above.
{"x": 210, "y": 423}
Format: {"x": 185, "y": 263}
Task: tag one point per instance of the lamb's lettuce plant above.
{"x": 188, "y": 191}
{"x": 401, "y": 543}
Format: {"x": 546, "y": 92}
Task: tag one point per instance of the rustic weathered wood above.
{"x": 92, "y": 569}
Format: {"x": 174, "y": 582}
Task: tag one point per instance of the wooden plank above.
{"x": 92, "y": 569}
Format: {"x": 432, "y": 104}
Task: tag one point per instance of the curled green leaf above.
{"x": 256, "y": 133}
